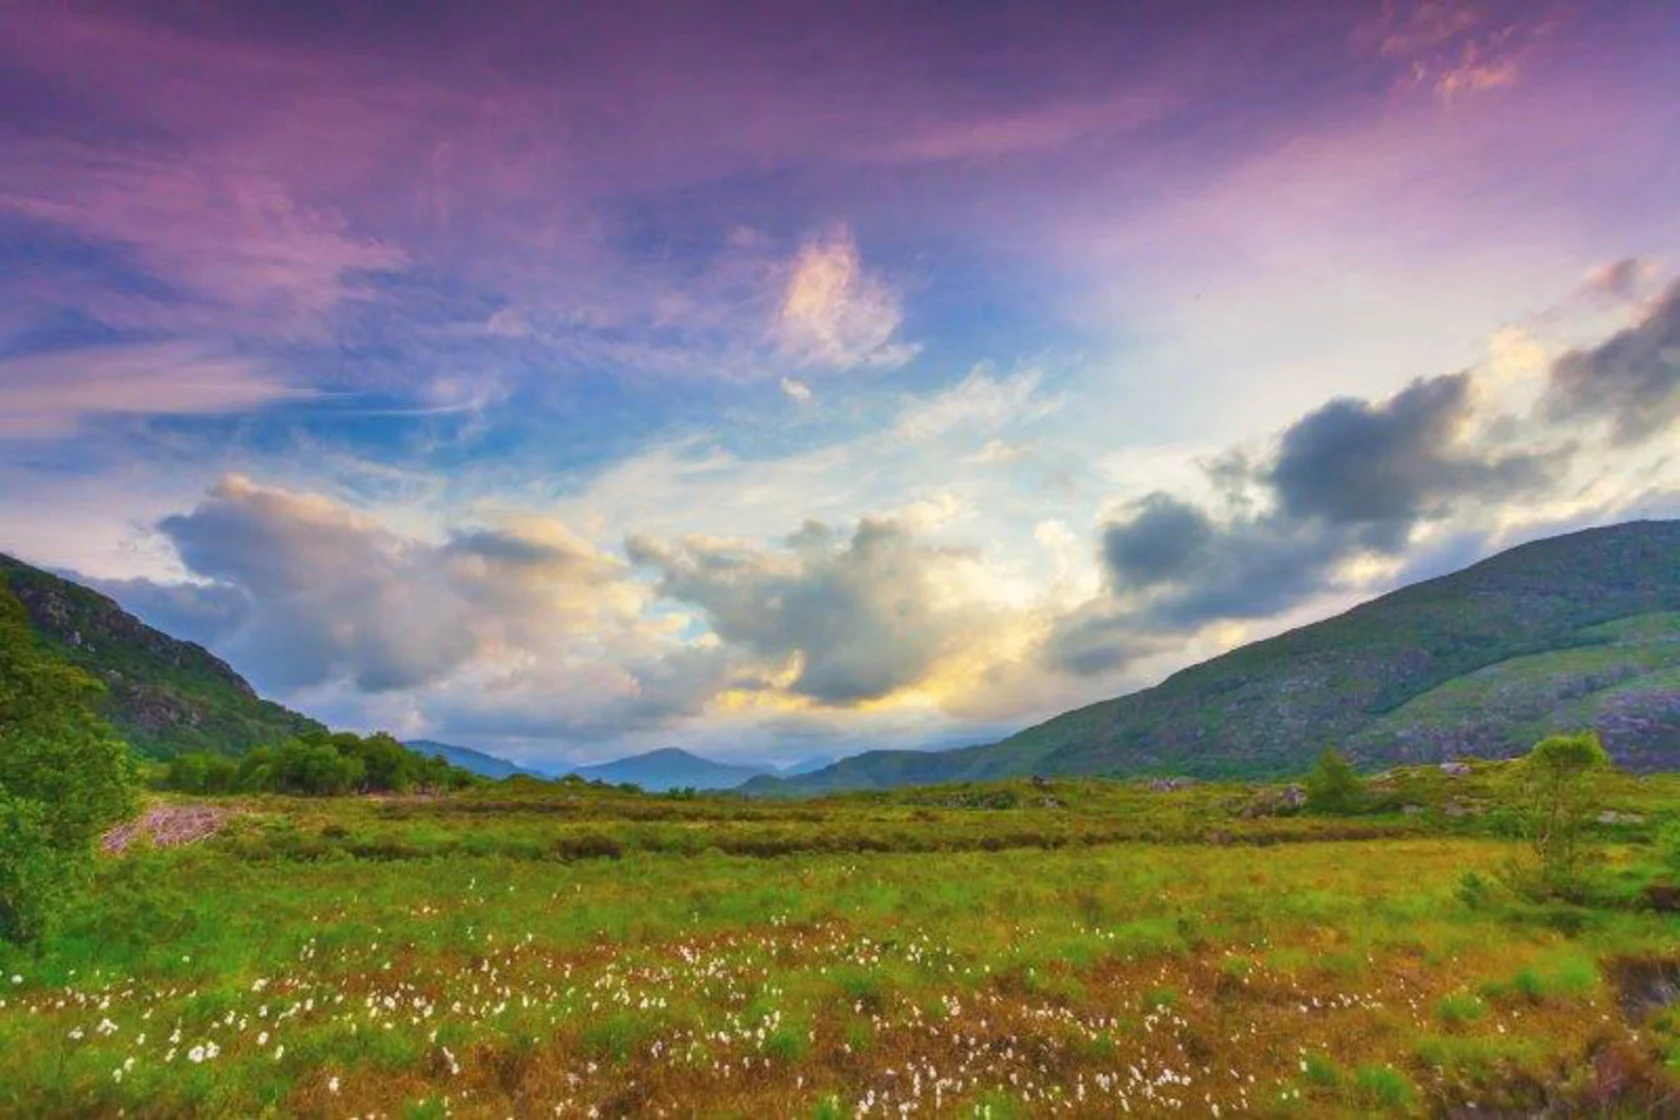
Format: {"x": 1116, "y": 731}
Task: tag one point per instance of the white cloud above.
{"x": 48, "y": 395}
{"x": 982, "y": 402}
{"x": 835, "y": 313}
{"x": 518, "y": 624}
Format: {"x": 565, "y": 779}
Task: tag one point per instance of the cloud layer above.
{"x": 822, "y": 378}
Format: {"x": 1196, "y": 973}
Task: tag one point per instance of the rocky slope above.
{"x": 166, "y": 696}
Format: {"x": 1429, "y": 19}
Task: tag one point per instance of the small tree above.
{"x": 64, "y": 777}
{"x": 1561, "y": 790}
{"x": 1333, "y": 786}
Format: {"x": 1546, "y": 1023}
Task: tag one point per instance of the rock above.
{"x": 1456, "y": 809}
{"x": 1455, "y": 769}
{"x": 1040, "y": 781}
{"x": 1168, "y": 785}
{"x": 1293, "y": 797}
{"x": 1411, "y": 810}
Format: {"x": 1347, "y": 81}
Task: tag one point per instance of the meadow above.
{"x": 1011, "y": 949}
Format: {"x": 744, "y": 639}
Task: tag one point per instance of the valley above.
{"x": 1013, "y": 949}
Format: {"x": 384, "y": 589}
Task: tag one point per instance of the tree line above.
{"x": 318, "y": 763}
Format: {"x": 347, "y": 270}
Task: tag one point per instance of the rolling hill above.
{"x": 1581, "y": 630}
{"x": 165, "y": 696}
{"x": 671, "y": 768}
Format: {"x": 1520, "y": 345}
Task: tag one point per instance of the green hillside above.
{"x": 167, "y": 697}
{"x": 1569, "y": 632}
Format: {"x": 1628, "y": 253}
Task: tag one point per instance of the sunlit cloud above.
{"x": 835, "y": 313}
{"x": 853, "y": 385}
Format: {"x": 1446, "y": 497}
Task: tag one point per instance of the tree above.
{"x": 1333, "y": 786}
{"x": 308, "y": 765}
{"x": 64, "y": 777}
{"x": 201, "y": 773}
{"x": 256, "y": 771}
{"x": 1561, "y": 791}
{"x": 387, "y": 764}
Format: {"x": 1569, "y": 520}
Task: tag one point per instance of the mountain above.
{"x": 670, "y": 768}
{"x": 1574, "y": 631}
{"x": 805, "y": 766}
{"x": 486, "y": 765}
{"x": 165, "y": 696}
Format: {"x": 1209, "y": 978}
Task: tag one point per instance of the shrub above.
{"x": 1383, "y": 1086}
{"x": 1333, "y": 786}
{"x": 1668, "y": 847}
{"x": 1473, "y": 890}
{"x": 1460, "y": 1008}
{"x": 1561, "y": 790}
{"x": 1320, "y": 1070}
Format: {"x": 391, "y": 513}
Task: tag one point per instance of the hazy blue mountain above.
{"x": 671, "y": 768}
{"x": 466, "y": 758}
{"x": 805, "y": 766}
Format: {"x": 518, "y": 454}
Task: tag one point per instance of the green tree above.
{"x": 256, "y": 773}
{"x": 1561, "y": 789}
{"x": 64, "y": 777}
{"x": 388, "y": 766}
{"x": 309, "y": 765}
{"x": 201, "y": 773}
{"x": 1333, "y": 786}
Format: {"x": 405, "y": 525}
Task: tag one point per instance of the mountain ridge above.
{"x": 1266, "y": 708}
{"x": 479, "y": 762}
{"x": 165, "y": 696}
{"x": 671, "y": 768}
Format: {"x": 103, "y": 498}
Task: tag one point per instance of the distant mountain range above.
{"x": 1576, "y": 631}
{"x": 165, "y": 696}
{"x": 658, "y": 770}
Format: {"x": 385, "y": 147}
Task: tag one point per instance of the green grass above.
{"x": 514, "y": 948}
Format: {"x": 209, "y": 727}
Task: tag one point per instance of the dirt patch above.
{"x": 166, "y": 826}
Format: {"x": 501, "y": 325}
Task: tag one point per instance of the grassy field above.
{"x": 1084, "y": 948}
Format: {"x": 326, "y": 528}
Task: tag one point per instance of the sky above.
{"x": 785, "y": 380}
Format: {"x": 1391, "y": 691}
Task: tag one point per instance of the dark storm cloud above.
{"x": 1158, "y": 543}
{"x": 1380, "y": 468}
{"x": 1632, "y": 379}
{"x": 1352, "y": 477}
{"x": 1246, "y": 568}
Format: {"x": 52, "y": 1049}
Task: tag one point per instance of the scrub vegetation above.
{"x": 1028, "y": 947}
